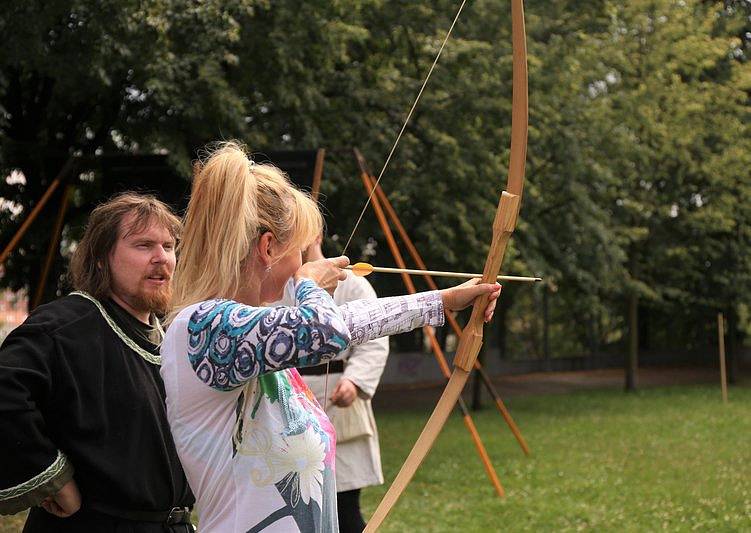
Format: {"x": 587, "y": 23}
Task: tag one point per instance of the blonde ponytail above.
{"x": 232, "y": 202}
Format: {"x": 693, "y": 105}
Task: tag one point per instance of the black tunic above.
{"x": 68, "y": 383}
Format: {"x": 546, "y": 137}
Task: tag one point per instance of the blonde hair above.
{"x": 233, "y": 202}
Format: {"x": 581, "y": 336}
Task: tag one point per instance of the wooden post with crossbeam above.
{"x": 53, "y": 247}
{"x": 62, "y": 176}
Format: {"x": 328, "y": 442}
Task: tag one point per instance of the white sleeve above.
{"x": 371, "y": 319}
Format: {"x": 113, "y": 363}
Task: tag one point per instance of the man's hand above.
{"x": 344, "y": 393}
{"x": 66, "y": 502}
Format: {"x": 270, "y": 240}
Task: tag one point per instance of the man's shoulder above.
{"x": 68, "y": 311}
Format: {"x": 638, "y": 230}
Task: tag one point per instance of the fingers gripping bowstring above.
{"x": 404, "y": 126}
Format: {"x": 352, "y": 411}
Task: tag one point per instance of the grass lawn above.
{"x": 669, "y": 458}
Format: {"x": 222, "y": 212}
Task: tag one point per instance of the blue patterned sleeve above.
{"x": 230, "y": 343}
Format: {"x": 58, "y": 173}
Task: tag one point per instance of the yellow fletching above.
{"x": 361, "y": 269}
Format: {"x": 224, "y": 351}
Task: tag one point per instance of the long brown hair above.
{"x": 90, "y": 270}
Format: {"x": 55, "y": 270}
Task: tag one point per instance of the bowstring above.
{"x": 391, "y": 153}
{"x": 404, "y": 126}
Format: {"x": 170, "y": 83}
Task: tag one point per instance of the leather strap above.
{"x": 174, "y": 516}
{"x": 335, "y": 367}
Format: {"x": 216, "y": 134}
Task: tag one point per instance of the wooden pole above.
{"x": 62, "y": 175}
{"x": 632, "y": 359}
{"x": 52, "y": 249}
{"x": 546, "y": 324}
{"x": 436, "y": 347}
{"x": 417, "y": 258}
{"x": 723, "y": 371}
{"x": 317, "y": 173}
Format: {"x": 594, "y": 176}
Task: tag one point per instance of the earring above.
{"x": 268, "y": 269}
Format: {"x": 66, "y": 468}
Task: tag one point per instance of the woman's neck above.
{"x": 249, "y": 295}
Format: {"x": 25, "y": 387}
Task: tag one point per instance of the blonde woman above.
{"x": 256, "y": 447}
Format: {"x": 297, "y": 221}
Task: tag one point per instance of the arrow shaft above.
{"x": 464, "y": 275}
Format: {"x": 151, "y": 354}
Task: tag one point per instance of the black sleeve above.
{"x": 31, "y": 466}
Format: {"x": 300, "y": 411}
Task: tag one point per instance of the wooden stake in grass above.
{"x": 723, "y": 373}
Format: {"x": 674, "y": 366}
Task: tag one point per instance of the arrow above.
{"x": 363, "y": 269}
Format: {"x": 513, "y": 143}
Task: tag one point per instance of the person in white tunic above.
{"x": 346, "y": 392}
{"x": 257, "y": 448}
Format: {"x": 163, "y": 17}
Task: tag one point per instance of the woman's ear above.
{"x": 265, "y": 248}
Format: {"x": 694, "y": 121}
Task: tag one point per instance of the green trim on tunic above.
{"x": 32, "y": 492}
{"x": 130, "y": 343}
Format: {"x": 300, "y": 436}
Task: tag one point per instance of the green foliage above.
{"x": 90, "y": 77}
{"x": 639, "y": 142}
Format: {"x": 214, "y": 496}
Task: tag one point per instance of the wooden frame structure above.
{"x": 64, "y": 180}
{"x": 382, "y": 207}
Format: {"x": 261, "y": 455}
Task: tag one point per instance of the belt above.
{"x": 176, "y": 515}
{"x": 335, "y": 367}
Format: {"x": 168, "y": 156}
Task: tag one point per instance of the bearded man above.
{"x": 85, "y": 440}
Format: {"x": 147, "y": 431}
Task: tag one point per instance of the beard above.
{"x": 145, "y": 297}
{"x": 155, "y": 300}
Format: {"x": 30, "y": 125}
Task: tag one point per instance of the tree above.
{"x": 636, "y": 194}
{"x": 90, "y": 77}
{"x": 679, "y": 140}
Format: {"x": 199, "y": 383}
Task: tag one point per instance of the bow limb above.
{"x": 503, "y": 226}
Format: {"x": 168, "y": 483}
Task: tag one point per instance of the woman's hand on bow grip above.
{"x": 326, "y": 273}
{"x": 461, "y": 296}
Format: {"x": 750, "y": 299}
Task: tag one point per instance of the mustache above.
{"x": 161, "y": 272}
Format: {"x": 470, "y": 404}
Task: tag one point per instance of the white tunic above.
{"x": 358, "y": 460}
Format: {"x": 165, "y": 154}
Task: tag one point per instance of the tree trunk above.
{"x": 643, "y": 328}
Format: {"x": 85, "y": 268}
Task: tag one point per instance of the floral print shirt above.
{"x": 256, "y": 446}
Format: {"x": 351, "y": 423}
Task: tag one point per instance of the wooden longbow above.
{"x": 503, "y": 226}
